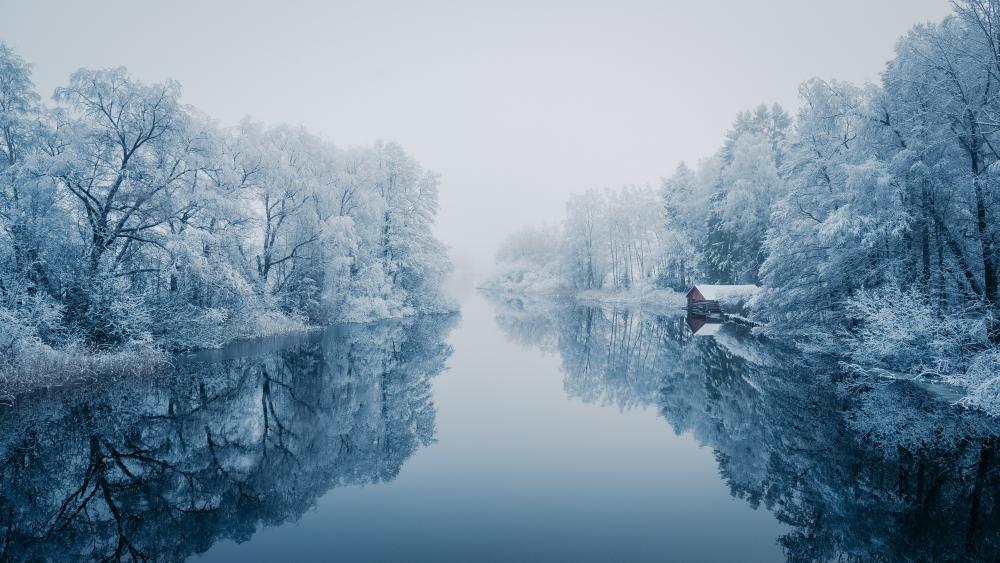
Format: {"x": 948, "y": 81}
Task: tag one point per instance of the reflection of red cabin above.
{"x": 703, "y": 326}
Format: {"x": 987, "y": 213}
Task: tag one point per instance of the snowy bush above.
{"x": 896, "y": 330}
{"x": 982, "y": 379}
{"x": 527, "y": 277}
{"x": 269, "y": 323}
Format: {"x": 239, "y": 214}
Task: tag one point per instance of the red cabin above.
{"x": 700, "y": 304}
{"x": 705, "y": 299}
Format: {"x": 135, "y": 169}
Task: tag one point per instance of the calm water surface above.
{"x": 521, "y": 431}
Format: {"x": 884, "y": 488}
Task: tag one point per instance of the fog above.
{"x": 515, "y": 104}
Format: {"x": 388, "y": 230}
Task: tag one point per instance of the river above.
{"x": 536, "y": 430}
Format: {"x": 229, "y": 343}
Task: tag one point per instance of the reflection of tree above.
{"x": 530, "y": 321}
{"x": 880, "y": 471}
{"x": 227, "y": 443}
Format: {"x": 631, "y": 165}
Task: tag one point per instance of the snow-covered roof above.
{"x": 718, "y": 292}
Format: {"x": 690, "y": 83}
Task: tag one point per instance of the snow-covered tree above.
{"x": 130, "y": 219}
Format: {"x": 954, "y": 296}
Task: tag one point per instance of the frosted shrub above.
{"x": 529, "y": 262}
{"x": 188, "y": 327}
{"x": 522, "y": 276}
{"x": 894, "y": 330}
{"x": 13, "y": 334}
{"x": 109, "y": 315}
{"x": 270, "y": 323}
{"x": 982, "y": 379}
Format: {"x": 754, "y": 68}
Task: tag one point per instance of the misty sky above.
{"x": 515, "y": 104}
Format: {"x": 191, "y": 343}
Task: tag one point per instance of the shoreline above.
{"x": 47, "y": 368}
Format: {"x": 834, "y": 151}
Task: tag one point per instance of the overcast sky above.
{"x": 516, "y": 104}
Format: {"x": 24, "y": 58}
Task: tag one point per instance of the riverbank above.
{"x": 30, "y": 364}
{"x": 646, "y": 297}
{"x": 39, "y": 366}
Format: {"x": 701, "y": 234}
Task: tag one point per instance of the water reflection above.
{"x": 874, "y": 470}
{"x": 227, "y": 442}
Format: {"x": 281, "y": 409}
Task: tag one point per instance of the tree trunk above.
{"x": 925, "y": 242}
{"x": 986, "y": 246}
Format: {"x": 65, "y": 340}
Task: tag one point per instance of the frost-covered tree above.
{"x": 892, "y": 198}
{"x": 746, "y": 185}
{"x": 609, "y": 239}
{"x": 131, "y": 220}
{"x": 126, "y": 158}
{"x": 32, "y": 224}
{"x": 685, "y": 197}
{"x": 530, "y": 260}
{"x": 634, "y": 237}
{"x": 743, "y": 212}
{"x": 586, "y": 257}
{"x": 829, "y": 230}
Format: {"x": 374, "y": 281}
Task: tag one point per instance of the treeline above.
{"x": 869, "y": 217}
{"x": 128, "y": 219}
